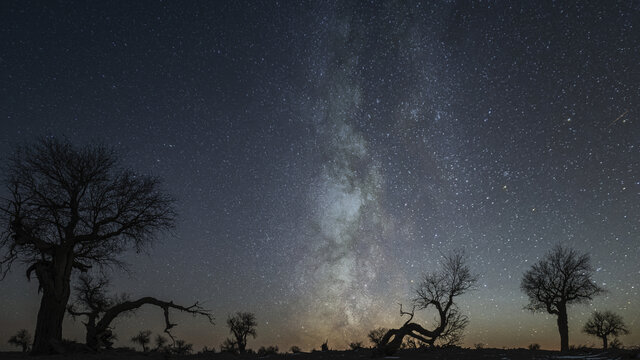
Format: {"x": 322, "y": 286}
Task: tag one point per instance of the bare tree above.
{"x": 143, "y": 338}
{"x": 229, "y": 346}
{"x": 438, "y": 291}
{"x": 241, "y": 325}
{"x": 22, "y": 339}
{"x": 100, "y": 310}
{"x": 71, "y": 208}
{"x": 561, "y": 278}
{"x": 160, "y": 341}
{"x": 603, "y": 324}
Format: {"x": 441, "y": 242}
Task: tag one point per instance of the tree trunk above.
{"x": 54, "y": 278}
{"x": 392, "y": 340}
{"x": 242, "y": 345}
{"x": 49, "y": 324}
{"x": 604, "y": 342}
{"x": 563, "y": 327}
{"x": 91, "y": 339}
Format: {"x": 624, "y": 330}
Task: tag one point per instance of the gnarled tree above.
{"x": 100, "y": 310}
{"x": 603, "y": 324}
{"x": 561, "y": 278}
{"x": 438, "y": 291}
{"x": 70, "y": 208}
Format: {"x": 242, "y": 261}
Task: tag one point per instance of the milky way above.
{"x": 325, "y": 155}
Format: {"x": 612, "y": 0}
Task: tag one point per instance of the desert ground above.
{"x": 438, "y": 354}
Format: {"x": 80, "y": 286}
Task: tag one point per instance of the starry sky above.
{"x": 325, "y": 154}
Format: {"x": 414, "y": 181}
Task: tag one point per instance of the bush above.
{"x": 181, "y": 348}
{"x": 206, "y": 350}
{"x": 616, "y": 344}
{"x": 478, "y": 346}
{"x": 266, "y": 351}
{"x": 22, "y": 339}
{"x": 356, "y": 345}
{"x": 534, "y": 347}
{"x": 295, "y": 349}
{"x": 325, "y": 345}
{"x": 229, "y": 346}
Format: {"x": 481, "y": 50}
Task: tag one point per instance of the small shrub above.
{"x": 295, "y": 349}
{"x": 143, "y": 339}
{"x": 181, "y": 347}
{"x": 22, "y": 339}
{"x": 325, "y": 345}
{"x": 616, "y": 344}
{"x": 478, "y": 346}
{"x": 229, "y": 346}
{"x": 266, "y": 351}
{"x": 357, "y": 345}
{"x": 534, "y": 347}
{"x": 206, "y": 350}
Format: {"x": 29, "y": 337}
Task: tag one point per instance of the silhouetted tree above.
{"x": 70, "y": 208}
{"x": 181, "y": 347}
{"x": 438, "y": 290}
{"x": 325, "y": 345}
{"x": 561, "y": 278}
{"x": 100, "y": 310}
{"x": 603, "y": 324}
{"x": 241, "y": 325}
{"x": 143, "y": 339}
{"x": 160, "y": 341}
{"x": 229, "y": 346}
{"x": 376, "y": 335}
{"x": 22, "y": 339}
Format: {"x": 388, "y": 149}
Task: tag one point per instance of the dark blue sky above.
{"x": 324, "y": 155}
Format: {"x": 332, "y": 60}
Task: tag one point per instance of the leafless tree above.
{"x": 100, "y": 310}
{"x": 160, "y": 341}
{"x": 143, "y": 338}
{"x": 22, "y": 339}
{"x": 438, "y": 290}
{"x": 241, "y": 325}
{"x": 561, "y": 278}
{"x": 70, "y": 208}
{"x": 229, "y": 346}
{"x": 603, "y": 324}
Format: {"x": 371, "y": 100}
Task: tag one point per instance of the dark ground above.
{"x": 463, "y": 354}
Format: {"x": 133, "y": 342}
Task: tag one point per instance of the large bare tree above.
{"x": 70, "y": 208}
{"x": 438, "y": 290}
{"x": 561, "y": 278}
{"x": 100, "y": 310}
{"x": 604, "y": 324}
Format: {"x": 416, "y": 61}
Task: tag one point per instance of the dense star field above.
{"x": 324, "y": 155}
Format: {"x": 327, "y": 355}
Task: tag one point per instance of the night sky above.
{"x": 325, "y": 154}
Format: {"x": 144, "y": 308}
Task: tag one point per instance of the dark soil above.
{"x": 435, "y": 354}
